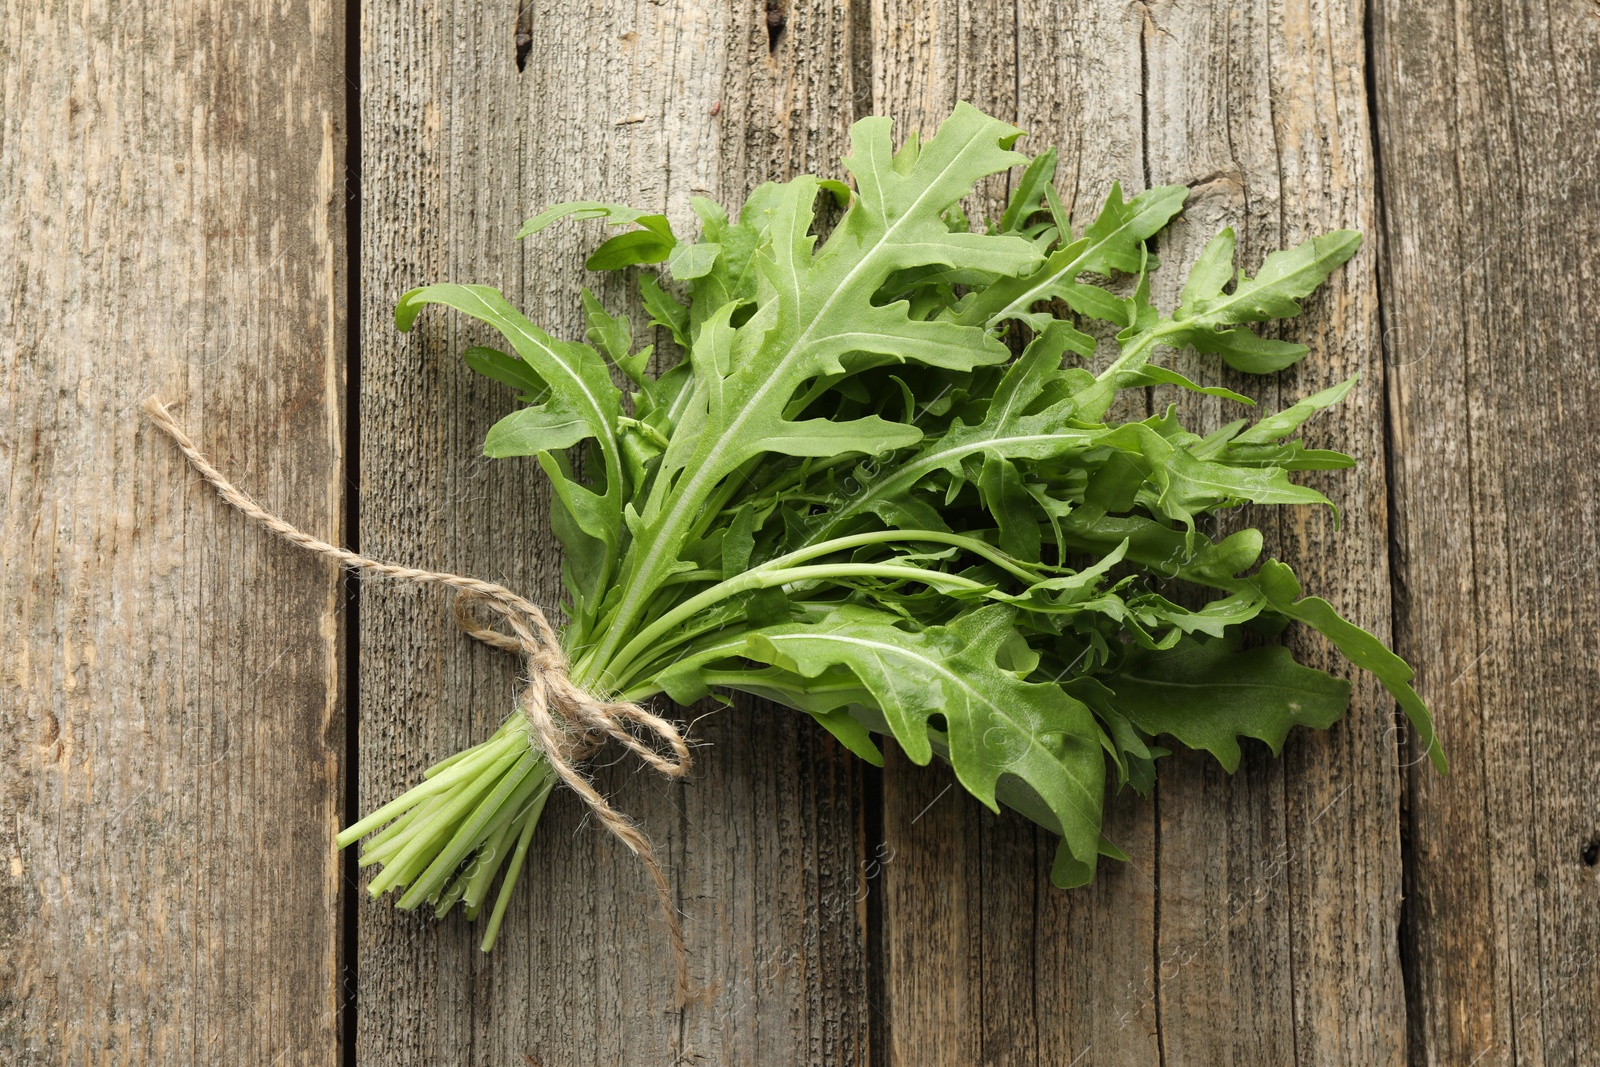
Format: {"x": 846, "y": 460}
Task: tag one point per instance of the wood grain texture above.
{"x": 985, "y": 962}
{"x": 171, "y": 213}
{"x": 646, "y": 104}
{"x": 1269, "y": 899}
{"x": 171, "y": 683}
{"x": 1486, "y": 122}
{"x": 1291, "y": 926}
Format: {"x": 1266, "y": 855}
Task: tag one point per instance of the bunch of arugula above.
{"x": 851, "y": 497}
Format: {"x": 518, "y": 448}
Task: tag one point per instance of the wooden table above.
{"x": 220, "y": 204}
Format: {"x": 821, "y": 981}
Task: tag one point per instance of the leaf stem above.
{"x": 459, "y": 769}
{"x": 782, "y": 571}
{"x": 1094, "y": 400}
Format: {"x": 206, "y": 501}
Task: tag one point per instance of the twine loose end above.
{"x": 567, "y": 722}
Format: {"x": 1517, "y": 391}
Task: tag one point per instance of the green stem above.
{"x": 462, "y": 767}
{"x": 451, "y": 761}
{"x": 1093, "y": 401}
{"x": 767, "y": 575}
{"x": 394, "y": 837}
{"x": 765, "y": 578}
{"x": 423, "y": 843}
{"x": 523, "y": 808}
{"x": 512, "y": 871}
{"x": 469, "y": 834}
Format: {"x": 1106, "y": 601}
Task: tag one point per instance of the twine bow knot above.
{"x": 568, "y": 723}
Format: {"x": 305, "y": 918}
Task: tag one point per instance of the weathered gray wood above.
{"x": 1486, "y": 123}
{"x": 1256, "y": 922}
{"x": 172, "y": 186}
{"x": 171, "y": 214}
{"x": 985, "y": 961}
{"x": 645, "y": 104}
{"x": 1294, "y": 921}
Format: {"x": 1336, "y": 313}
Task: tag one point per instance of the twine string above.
{"x": 568, "y": 723}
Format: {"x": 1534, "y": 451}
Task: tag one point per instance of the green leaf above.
{"x": 1129, "y": 749}
{"x": 580, "y": 402}
{"x": 530, "y": 431}
{"x": 613, "y": 335}
{"x": 1282, "y": 589}
{"x": 1274, "y": 293}
{"x": 1113, "y": 242}
{"x": 1179, "y": 486}
{"x": 574, "y": 374}
{"x": 495, "y": 364}
{"x": 990, "y": 723}
{"x": 1027, "y": 199}
{"x": 1205, "y": 696}
{"x": 1276, "y": 427}
{"x": 615, "y": 214}
{"x": 1150, "y": 374}
{"x": 1244, "y": 351}
{"x": 1116, "y": 237}
{"x": 629, "y": 249}
{"x": 816, "y": 309}
{"x": 665, "y": 311}
{"x": 1019, "y": 422}
{"x": 689, "y": 261}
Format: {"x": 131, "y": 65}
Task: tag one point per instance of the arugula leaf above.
{"x": 1205, "y": 696}
{"x": 1028, "y": 198}
{"x": 651, "y": 243}
{"x": 990, "y": 722}
{"x": 581, "y": 403}
{"x": 1274, "y": 293}
{"x": 1113, "y": 242}
{"x": 1282, "y": 590}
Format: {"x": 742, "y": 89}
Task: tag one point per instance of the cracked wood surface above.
{"x": 173, "y": 683}
{"x": 649, "y": 105}
{"x": 1491, "y": 181}
{"x": 171, "y": 213}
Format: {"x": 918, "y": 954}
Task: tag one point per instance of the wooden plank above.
{"x": 976, "y": 939}
{"x": 172, "y": 186}
{"x": 1255, "y": 922}
{"x": 1296, "y": 924}
{"x": 1486, "y": 129}
{"x": 945, "y": 899}
{"x": 648, "y": 105}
